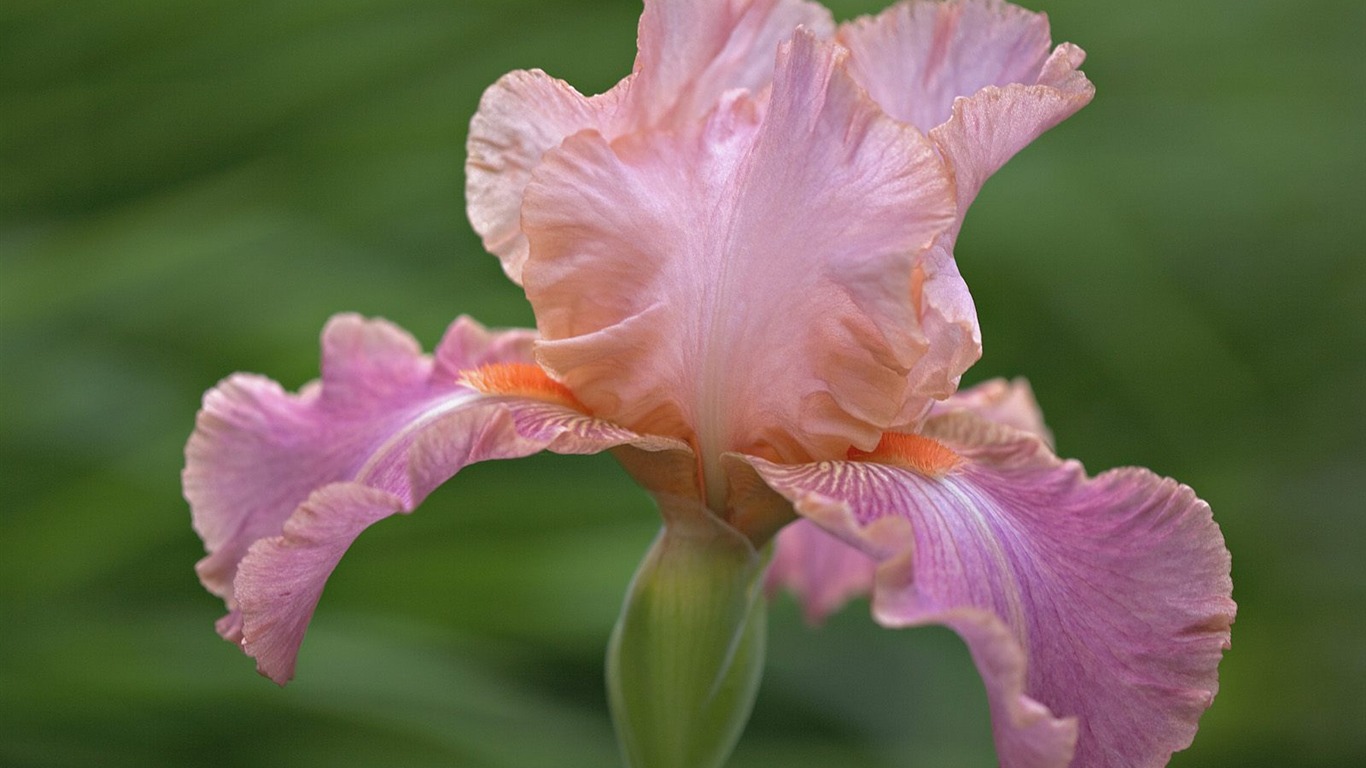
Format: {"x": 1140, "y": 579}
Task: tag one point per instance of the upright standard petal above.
{"x": 977, "y": 76}
{"x": 520, "y": 117}
{"x": 693, "y": 51}
{"x": 280, "y": 485}
{"x": 690, "y": 53}
{"x": 1096, "y": 609}
{"x": 761, "y": 267}
{"x": 919, "y": 57}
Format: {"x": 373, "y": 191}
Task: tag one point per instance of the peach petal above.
{"x": 760, "y": 267}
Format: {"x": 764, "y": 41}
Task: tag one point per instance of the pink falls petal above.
{"x": 761, "y": 267}
{"x": 1097, "y": 609}
{"x": 823, "y": 571}
{"x": 281, "y": 578}
{"x": 280, "y": 484}
{"x": 820, "y": 569}
{"x": 257, "y": 452}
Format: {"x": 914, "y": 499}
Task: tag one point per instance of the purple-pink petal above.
{"x": 281, "y": 578}
{"x": 822, "y": 571}
{"x": 1097, "y": 610}
{"x": 279, "y": 484}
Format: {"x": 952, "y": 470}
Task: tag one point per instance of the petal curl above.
{"x": 693, "y": 51}
{"x": 761, "y": 267}
{"x": 977, "y": 76}
{"x": 520, "y": 117}
{"x": 920, "y": 57}
{"x": 1010, "y": 403}
{"x": 988, "y": 128}
{"x": 690, "y": 53}
{"x": 1097, "y": 610}
{"x": 279, "y": 485}
{"x": 948, "y": 319}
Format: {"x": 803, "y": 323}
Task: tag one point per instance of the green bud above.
{"x": 687, "y": 653}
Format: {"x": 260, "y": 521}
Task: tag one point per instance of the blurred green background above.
{"x": 191, "y": 187}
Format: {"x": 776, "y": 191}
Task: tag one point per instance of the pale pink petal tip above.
{"x": 1096, "y": 609}
{"x": 691, "y": 54}
{"x": 978, "y": 75}
{"x": 1000, "y": 401}
{"x": 279, "y": 484}
{"x": 520, "y": 117}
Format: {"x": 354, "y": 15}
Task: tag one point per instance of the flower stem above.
{"x": 686, "y": 656}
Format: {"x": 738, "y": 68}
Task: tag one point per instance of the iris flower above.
{"x": 740, "y": 260}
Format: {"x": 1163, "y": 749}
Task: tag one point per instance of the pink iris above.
{"x": 740, "y": 261}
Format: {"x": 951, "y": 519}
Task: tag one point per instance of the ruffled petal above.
{"x": 1096, "y": 609}
{"x": 520, "y": 117}
{"x": 690, "y": 54}
{"x": 948, "y": 320}
{"x": 760, "y": 266}
{"x": 693, "y": 51}
{"x": 999, "y": 401}
{"x": 977, "y": 76}
{"x": 279, "y": 484}
{"x": 988, "y": 128}
{"x": 919, "y": 57}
